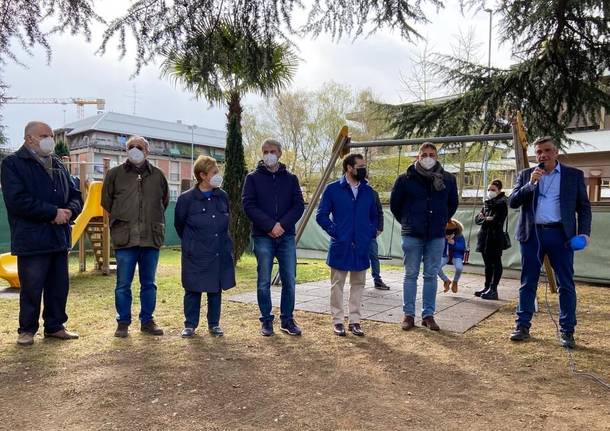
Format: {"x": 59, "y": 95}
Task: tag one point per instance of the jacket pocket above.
{"x": 119, "y": 232}
{"x": 158, "y": 234}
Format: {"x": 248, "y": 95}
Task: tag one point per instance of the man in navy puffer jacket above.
{"x": 273, "y": 201}
{"x": 423, "y": 200}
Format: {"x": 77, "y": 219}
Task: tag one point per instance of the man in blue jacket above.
{"x": 273, "y": 201}
{"x": 550, "y": 196}
{"x": 348, "y": 213}
{"x": 41, "y": 201}
{"x": 423, "y": 200}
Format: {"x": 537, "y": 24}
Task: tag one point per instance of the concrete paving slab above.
{"x": 455, "y": 312}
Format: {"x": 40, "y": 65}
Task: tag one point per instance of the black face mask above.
{"x": 360, "y": 174}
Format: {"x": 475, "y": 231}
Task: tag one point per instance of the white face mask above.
{"x": 47, "y": 145}
{"x": 427, "y": 162}
{"x": 136, "y": 156}
{"x": 491, "y": 195}
{"x": 216, "y": 180}
{"x": 270, "y": 159}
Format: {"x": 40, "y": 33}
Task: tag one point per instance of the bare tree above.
{"x": 420, "y": 82}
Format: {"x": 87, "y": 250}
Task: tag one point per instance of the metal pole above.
{"x": 192, "y": 144}
{"x": 434, "y": 140}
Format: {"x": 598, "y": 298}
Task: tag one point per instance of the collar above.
{"x": 344, "y": 183}
{"x": 128, "y": 166}
{"x": 198, "y": 194}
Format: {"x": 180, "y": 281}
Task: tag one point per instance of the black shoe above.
{"x": 356, "y": 329}
{"x": 339, "y": 329}
{"x": 187, "y": 332}
{"x": 567, "y": 340}
{"x": 122, "y": 330}
{"x": 481, "y": 292}
{"x": 267, "y": 328}
{"x": 380, "y": 285}
{"x": 491, "y": 294}
{"x": 290, "y": 327}
{"x": 216, "y": 331}
{"x": 151, "y": 328}
{"x": 520, "y": 334}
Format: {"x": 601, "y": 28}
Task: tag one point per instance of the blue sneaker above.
{"x": 267, "y": 328}
{"x": 290, "y": 327}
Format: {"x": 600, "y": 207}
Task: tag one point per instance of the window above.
{"x": 174, "y": 171}
{"x": 174, "y": 192}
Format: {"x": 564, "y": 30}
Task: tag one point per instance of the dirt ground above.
{"x": 388, "y": 380}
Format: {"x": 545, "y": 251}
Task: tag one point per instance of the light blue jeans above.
{"x": 415, "y": 251}
{"x": 458, "y": 263}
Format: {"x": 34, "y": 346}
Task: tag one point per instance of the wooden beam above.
{"x": 106, "y": 231}
{"x": 82, "y": 252}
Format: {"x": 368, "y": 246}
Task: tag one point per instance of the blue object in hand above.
{"x": 579, "y": 242}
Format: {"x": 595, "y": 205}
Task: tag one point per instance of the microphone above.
{"x": 540, "y": 166}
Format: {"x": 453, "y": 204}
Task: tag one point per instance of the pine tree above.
{"x": 565, "y": 51}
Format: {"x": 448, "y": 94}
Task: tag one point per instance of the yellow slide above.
{"x": 92, "y": 208}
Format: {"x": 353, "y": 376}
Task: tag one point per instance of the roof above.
{"x": 591, "y": 141}
{"x": 492, "y": 165}
{"x": 130, "y": 125}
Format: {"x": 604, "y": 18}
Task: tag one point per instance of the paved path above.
{"x": 456, "y": 312}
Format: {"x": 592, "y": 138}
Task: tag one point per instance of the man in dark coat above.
{"x": 423, "y": 200}
{"x": 550, "y": 196}
{"x": 41, "y": 201}
{"x": 273, "y": 201}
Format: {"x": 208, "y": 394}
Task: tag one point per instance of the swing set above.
{"x": 343, "y": 145}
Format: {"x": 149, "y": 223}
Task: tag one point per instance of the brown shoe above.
{"x": 407, "y": 323}
{"x": 25, "y": 339}
{"x": 446, "y": 285}
{"x": 122, "y": 330}
{"x": 62, "y": 334}
{"x": 151, "y": 328}
{"x": 429, "y": 323}
{"x": 454, "y": 287}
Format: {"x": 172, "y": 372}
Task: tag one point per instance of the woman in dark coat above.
{"x": 490, "y": 240}
{"x": 202, "y": 222}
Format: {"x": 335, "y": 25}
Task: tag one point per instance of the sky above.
{"x": 75, "y": 70}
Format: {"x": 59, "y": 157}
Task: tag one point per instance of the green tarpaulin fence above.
{"x": 592, "y": 264}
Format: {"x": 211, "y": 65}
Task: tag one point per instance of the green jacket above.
{"x": 136, "y": 200}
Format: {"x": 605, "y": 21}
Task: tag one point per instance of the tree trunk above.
{"x": 235, "y": 174}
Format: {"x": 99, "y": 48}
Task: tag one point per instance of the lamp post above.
{"x": 485, "y": 155}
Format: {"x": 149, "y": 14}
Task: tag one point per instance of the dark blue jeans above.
{"x": 554, "y": 244}
{"x": 126, "y": 259}
{"x": 192, "y": 308}
{"x": 43, "y": 277}
{"x": 284, "y": 249}
{"x": 374, "y": 257}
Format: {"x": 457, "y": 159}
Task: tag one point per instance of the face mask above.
{"x": 46, "y": 146}
{"x": 136, "y": 156}
{"x": 216, "y": 180}
{"x": 360, "y": 174}
{"x": 491, "y": 195}
{"x": 270, "y": 160}
{"x": 427, "y": 163}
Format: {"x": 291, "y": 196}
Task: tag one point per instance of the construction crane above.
{"x": 80, "y": 103}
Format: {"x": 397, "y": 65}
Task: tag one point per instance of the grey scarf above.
{"x": 435, "y": 174}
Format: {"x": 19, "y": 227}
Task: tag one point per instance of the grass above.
{"x": 387, "y": 380}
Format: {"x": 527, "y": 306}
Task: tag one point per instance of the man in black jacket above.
{"x": 423, "y": 200}
{"x": 41, "y": 201}
{"x": 273, "y": 201}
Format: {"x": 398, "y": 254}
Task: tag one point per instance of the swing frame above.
{"x": 343, "y": 145}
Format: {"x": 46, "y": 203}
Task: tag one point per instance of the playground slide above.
{"x": 91, "y": 208}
